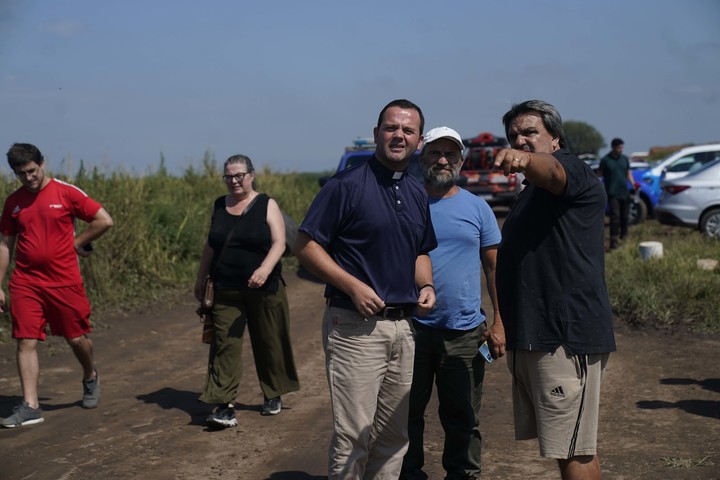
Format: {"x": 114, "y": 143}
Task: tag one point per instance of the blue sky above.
{"x": 290, "y": 83}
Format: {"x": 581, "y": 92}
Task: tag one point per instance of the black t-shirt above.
{"x": 551, "y": 267}
{"x": 248, "y": 246}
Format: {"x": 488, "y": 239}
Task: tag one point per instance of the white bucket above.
{"x": 651, "y": 250}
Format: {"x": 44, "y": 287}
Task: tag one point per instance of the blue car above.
{"x": 645, "y": 197}
{"x": 676, "y": 165}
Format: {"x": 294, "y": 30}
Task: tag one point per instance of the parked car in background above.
{"x": 481, "y": 177}
{"x": 360, "y": 151}
{"x": 693, "y": 200}
{"x": 644, "y": 194}
{"x": 677, "y": 165}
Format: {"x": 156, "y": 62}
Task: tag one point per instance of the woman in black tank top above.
{"x": 242, "y": 255}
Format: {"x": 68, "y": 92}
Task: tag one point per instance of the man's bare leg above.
{"x": 82, "y": 347}
{"x": 585, "y": 467}
{"x": 29, "y": 369}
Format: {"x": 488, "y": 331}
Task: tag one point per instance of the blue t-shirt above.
{"x": 464, "y": 223}
{"x": 374, "y": 223}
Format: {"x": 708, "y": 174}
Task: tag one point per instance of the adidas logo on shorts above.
{"x": 557, "y": 392}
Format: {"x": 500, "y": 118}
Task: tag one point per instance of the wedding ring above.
{"x": 516, "y": 160}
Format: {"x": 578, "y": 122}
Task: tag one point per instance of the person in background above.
{"x": 615, "y": 171}
{"x": 367, "y": 234}
{"x": 551, "y": 291}
{"x": 447, "y": 338}
{"x": 242, "y": 254}
{"x": 38, "y": 222}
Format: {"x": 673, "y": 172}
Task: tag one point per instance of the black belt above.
{"x": 393, "y": 312}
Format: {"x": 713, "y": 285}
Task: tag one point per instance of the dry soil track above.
{"x": 660, "y": 409}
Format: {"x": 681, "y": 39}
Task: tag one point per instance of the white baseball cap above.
{"x": 443, "y": 132}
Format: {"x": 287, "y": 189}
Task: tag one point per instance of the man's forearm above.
{"x": 489, "y": 262}
{"x": 6, "y": 247}
{"x": 4, "y": 262}
{"x": 423, "y": 271}
{"x": 96, "y": 228}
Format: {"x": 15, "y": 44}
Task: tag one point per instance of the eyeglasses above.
{"x": 238, "y": 177}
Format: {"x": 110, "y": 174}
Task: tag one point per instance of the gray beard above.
{"x": 440, "y": 180}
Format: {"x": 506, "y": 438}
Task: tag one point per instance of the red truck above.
{"x": 482, "y": 179}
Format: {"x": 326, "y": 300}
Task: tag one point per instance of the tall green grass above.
{"x": 669, "y": 292}
{"x": 161, "y": 223}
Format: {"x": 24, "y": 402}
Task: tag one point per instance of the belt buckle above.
{"x": 389, "y": 312}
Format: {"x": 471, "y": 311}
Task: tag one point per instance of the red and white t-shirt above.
{"x": 44, "y": 225}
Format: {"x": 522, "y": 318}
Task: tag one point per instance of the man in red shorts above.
{"x": 46, "y": 286}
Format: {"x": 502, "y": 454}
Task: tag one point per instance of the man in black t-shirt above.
{"x": 551, "y": 290}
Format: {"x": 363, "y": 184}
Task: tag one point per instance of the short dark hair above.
{"x": 549, "y": 115}
{"x": 616, "y": 141}
{"x": 23, "y": 153}
{"x": 405, "y": 104}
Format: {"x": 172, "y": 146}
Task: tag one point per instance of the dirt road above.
{"x": 660, "y": 409}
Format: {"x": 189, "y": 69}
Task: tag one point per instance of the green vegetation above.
{"x": 161, "y": 223}
{"x": 669, "y": 292}
{"x": 582, "y": 137}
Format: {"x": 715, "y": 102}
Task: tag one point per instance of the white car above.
{"x": 679, "y": 164}
{"x": 693, "y": 200}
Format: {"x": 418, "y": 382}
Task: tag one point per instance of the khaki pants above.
{"x": 369, "y": 364}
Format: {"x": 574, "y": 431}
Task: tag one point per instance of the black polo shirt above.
{"x": 374, "y": 223}
{"x": 551, "y": 267}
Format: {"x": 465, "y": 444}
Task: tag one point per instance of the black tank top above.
{"x": 248, "y": 246}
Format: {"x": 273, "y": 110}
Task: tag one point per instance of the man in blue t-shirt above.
{"x": 367, "y": 234}
{"x": 447, "y": 338}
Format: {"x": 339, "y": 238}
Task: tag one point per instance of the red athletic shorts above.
{"x": 65, "y": 309}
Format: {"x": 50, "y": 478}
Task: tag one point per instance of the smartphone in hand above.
{"x": 485, "y": 352}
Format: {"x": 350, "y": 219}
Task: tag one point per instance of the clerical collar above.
{"x": 384, "y": 171}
